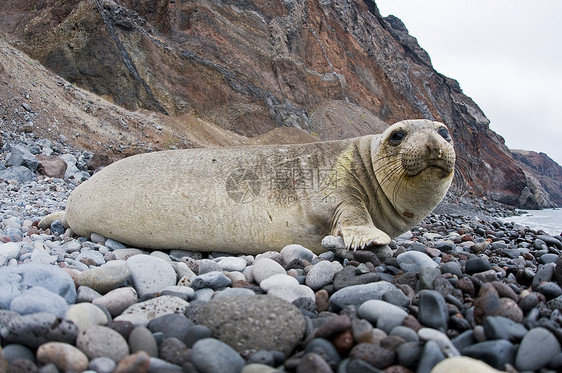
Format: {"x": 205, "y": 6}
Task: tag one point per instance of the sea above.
{"x": 549, "y": 220}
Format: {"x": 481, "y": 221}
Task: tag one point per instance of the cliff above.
{"x": 331, "y": 68}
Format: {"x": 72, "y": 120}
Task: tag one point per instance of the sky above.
{"x": 505, "y": 54}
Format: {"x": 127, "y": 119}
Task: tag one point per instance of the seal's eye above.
{"x": 444, "y": 133}
{"x": 397, "y": 136}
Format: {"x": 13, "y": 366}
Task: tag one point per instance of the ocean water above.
{"x": 549, "y": 220}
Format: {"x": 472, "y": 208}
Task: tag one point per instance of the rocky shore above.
{"x": 461, "y": 292}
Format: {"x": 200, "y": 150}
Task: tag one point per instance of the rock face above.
{"x": 544, "y": 175}
{"x": 334, "y": 69}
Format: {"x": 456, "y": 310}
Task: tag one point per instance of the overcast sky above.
{"x": 506, "y": 55}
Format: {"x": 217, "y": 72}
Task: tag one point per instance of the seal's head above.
{"x": 414, "y": 162}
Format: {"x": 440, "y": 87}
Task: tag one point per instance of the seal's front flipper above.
{"x": 358, "y": 237}
{"x": 354, "y": 224}
{"x": 49, "y": 219}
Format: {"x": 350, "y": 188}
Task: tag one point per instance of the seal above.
{"x": 251, "y": 199}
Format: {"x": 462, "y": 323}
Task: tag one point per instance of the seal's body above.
{"x": 252, "y": 199}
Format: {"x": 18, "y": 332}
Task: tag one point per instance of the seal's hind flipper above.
{"x": 49, "y": 219}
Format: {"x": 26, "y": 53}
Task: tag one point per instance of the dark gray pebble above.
{"x": 254, "y": 322}
{"x": 476, "y": 265}
{"x": 374, "y": 355}
{"x": 358, "y": 366}
{"x": 536, "y": 350}
{"x": 210, "y": 355}
{"x": 172, "y": 325}
{"x": 545, "y": 272}
{"x": 174, "y": 351}
{"x": 496, "y": 353}
{"x": 549, "y": 289}
{"x": 312, "y": 362}
{"x": 396, "y": 297}
{"x": 141, "y": 339}
{"x": 550, "y": 241}
{"x": 409, "y": 353}
{"x": 347, "y": 277}
{"x": 433, "y": 311}
{"x": 262, "y": 357}
{"x": 498, "y": 327}
{"x": 213, "y": 280}
{"x": 431, "y": 356}
{"x": 196, "y": 333}
{"x": 16, "y": 351}
{"x": 453, "y": 268}
{"x": 464, "y": 340}
{"x": 35, "y": 329}
{"x": 325, "y": 349}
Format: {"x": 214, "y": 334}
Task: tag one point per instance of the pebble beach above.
{"x": 464, "y": 291}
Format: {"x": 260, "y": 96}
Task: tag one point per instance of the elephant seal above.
{"x": 251, "y": 199}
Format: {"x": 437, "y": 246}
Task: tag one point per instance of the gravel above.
{"x": 461, "y": 290}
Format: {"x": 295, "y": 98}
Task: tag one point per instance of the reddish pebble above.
{"x": 343, "y": 342}
{"x": 322, "y": 300}
{"x": 135, "y": 363}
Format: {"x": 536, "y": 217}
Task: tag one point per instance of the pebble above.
{"x": 292, "y": 293}
{"x": 413, "y": 261}
{"x": 433, "y": 311}
{"x": 39, "y": 299}
{"x": 476, "y": 265}
{"x": 498, "y": 327}
{"x": 117, "y": 300}
{"x": 264, "y": 268}
{"x": 256, "y": 322}
{"x": 497, "y": 353}
{"x": 84, "y": 315}
{"x": 141, "y": 313}
{"x": 8, "y": 251}
{"x": 14, "y": 280}
{"x": 536, "y": 349}
{"x": 212, "y": 280}
{"x": 102, "y": 365}
{"x": 101, "y": 341}
{"x": 174, "y": 351}
{"x": 142, "y": 339}
{"x": 320, "y": 275}
{"x": 105, "y": 278}
{"x": 386, "y": 316}
{"x": 171, "y": 325}
{"x": 280, "y": 279}
{"x": 203, "y": 350}
{"x": 35, "y": 329}
{"x": 312, "y": 362}
{"x": 232, "y": 264}
{"x": 65, "y": 356}
{"x": 356, "y": 295}
{"x": 149, "y": 275}
{"x": 292, "y": 252}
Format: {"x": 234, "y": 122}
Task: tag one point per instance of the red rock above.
{"x": 322, "y": 300}
{"x": 397, "y": 369}
{"x": 51, "y": 165}
{"x": 335, "y": 325}
{"x": 135, "y": 363}
{"x": 344, "y": 341}
{"x": 412, "y": 323}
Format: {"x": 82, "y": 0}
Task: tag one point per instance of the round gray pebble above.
{"x": 210, "y": 355}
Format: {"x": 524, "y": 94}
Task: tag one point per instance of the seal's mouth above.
{"x": 436, "y": 168}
